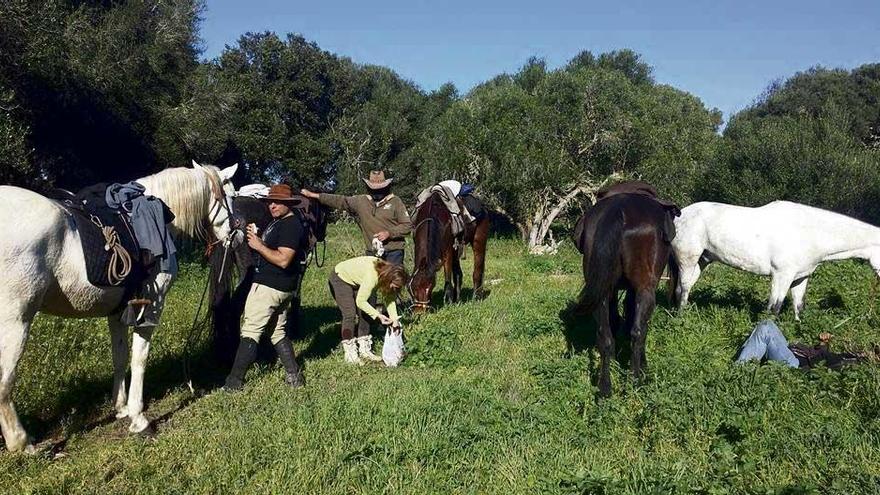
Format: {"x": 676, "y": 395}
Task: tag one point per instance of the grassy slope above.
{"x": 491, "y": 399}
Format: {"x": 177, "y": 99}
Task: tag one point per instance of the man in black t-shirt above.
{"x": 278, "y": 271}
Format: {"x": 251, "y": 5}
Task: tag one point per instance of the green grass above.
{"x": 497, "y": 396}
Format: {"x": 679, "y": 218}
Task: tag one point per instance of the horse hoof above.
{"x": 149, "y": 432}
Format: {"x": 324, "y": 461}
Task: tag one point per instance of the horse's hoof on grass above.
{"x": 149, "y": 432}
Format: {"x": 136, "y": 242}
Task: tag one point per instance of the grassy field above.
{"x": 496, "y": 396}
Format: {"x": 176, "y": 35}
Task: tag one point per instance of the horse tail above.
{"x": 673, "y": 271}
{"x": 604, "y": 266}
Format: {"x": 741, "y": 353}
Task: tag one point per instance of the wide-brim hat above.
{"x": 377, "y": 180}
{"x": 280, "y": 192}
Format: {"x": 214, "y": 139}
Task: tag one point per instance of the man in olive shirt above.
{"x": 380, "y": 214}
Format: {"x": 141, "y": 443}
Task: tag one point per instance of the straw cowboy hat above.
{"x": 377, "y": 180}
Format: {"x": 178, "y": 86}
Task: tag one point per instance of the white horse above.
{"x": 43, "y": 269}
{"x": 782, "y": 239}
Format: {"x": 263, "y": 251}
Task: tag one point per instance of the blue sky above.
{"x": 724, "y": 52}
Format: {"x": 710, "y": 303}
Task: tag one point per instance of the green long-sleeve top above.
{"x": 389, "y": 214}
{"x": 361, "y": 272}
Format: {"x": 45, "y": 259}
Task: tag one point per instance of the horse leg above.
{"x": 798, "y": 290}
{"x": 448, "y": 292}
{"x": 689, "y": 272}
{"x": 614, "y": 320}
{"x": 644, "y": 306}
{"x": 140, "y": 349}
{"x": 15, "y": 332}
{"x": 119, "y": 341}
{"x": 457, "y": 278}
{"x": 155, "y": 290}
{"x": 480, "y": 237}
{"x": 606, "y": 347}
{"x": 779, "y": 285}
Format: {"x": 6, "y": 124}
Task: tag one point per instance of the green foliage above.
{"x": 856, "y": 92}
{"x": 92, "y": 82}
{"x": 810, "y": 139}
{"x": 15, "y": 168}
{"x": 535, "y": 135}
{"x": 380, "y": 128}
{"x": 283, "y": 96}
{"x": 437, "y": 347}
{"x": 808, "y": 159}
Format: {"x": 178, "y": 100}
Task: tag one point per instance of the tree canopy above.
{"x": 109, "y": 91}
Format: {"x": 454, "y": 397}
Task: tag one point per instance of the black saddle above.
{"x": 474, "y": 206}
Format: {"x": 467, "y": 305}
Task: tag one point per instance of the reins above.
{"x": 197, "y": 329}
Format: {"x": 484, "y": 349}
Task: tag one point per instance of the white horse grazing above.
{"x": 42, "y": 268}
{"x": 782, "y": 239}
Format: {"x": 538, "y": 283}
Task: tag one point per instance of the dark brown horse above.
{"x": 625, "y": 241}
{"x": 435, "y": 245}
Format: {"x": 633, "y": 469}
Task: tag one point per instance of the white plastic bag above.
{"x": 392, "y": 349}
{"x": 378, "y": 247}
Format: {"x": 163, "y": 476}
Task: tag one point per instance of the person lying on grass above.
{"x": 352, "y": 282}
{"x": 767, "y": 341}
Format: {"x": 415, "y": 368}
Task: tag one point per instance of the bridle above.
{"x": 224, "y": 202}
{"x": 425, "y": 305}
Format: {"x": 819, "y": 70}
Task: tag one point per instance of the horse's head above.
{"x": 220, "y": 218}
{"x": 430, "y": 226}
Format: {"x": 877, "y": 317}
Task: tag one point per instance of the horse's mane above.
{"x": 188, "y": 193}
{"x": 432, "y": 208}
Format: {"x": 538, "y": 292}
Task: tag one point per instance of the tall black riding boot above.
{"x": 244, "y": 357}
{"x": 293, "y": 376}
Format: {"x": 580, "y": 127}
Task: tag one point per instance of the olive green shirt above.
{"x": 389, "y": 214}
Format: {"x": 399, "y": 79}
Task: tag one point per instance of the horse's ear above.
{"x": 227, "y": 173}
{"x": 196, "y": 165}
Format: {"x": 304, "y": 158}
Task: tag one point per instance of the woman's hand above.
{"x": 385, "y": 320}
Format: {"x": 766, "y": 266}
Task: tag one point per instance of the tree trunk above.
{"x": 545, "y": 215}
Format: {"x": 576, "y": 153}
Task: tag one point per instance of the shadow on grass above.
{"x": 581, "y": 332}
{"x": 735, "y": 297}
{"x": 84, "y": 405}
{"x": 321, "y": 343}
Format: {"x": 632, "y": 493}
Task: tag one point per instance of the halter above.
{"x": 426, "y": 305}
{"x": 223, "y": 200}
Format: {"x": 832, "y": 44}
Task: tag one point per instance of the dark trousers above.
{"x": 395, "y": 257}
{"x": 345, "y": 295}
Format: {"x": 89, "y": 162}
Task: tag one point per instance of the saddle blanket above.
{"x": 98, "y": 257}
{"x": 460, "y": 215}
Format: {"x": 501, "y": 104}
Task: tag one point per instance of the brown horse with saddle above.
{"x": 625, "y": 240}
{"x": 441, "y": 234}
